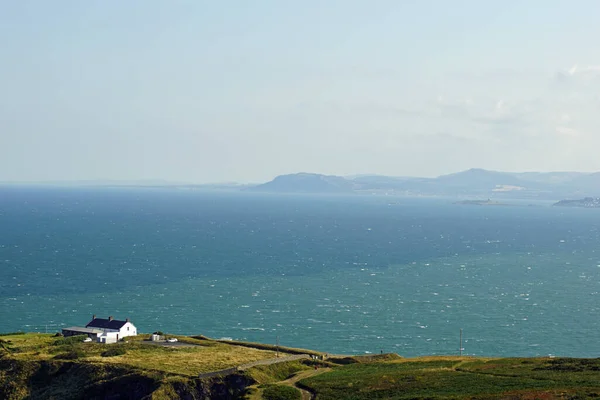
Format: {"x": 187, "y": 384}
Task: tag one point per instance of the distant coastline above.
{"x": 487, "y": 202}
{"x": 587, "y": 202}
{"x": 476, "y": 183}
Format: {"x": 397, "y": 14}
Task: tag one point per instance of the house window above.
{"x": 127, "y": 328}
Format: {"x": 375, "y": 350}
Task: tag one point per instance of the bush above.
{"x": 58, "y": 334}
{"x": 279, "y": 392}
{"x": 70, "y": 340}
{"x": 114, "y": 351}
{"x": 5, "y": 345}
{"x": 72, "y": 354}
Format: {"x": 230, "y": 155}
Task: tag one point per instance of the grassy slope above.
{"x": 204, "y": 356}
{"x": 41, "y": 366}
{"x": 267, "y": 375}
{"x": 458, "y": 378}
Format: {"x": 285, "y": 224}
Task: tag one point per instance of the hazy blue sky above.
{"x": 207, "y": 91}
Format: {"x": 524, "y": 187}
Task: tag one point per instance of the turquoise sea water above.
{"x": 340, "y": 274}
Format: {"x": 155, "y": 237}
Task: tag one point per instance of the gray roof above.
{"x": 106, "y": 323}
{"x": 82, "y": 329}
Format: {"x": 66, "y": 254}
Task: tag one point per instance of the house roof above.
{"x": 104, "y": 323}
{"x": 82, "y": 329}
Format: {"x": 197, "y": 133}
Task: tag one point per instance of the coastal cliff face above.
{"x": 80, "y": 380}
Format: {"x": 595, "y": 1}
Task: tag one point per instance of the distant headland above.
{"x": 587, "y": 202}
{"x": 474, "y": 183}
{"x": 487, "y": 202}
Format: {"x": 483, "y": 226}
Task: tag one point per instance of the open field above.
{"x": 459, "y": 378}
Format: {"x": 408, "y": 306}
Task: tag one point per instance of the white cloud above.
{"x": 589, "y": 69}
{"x": 573, "y": 70}
{"x": 565, "y": 118}
{"x": 565, "y": 131}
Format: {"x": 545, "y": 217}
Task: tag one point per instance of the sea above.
{"x": 342, "y": 274}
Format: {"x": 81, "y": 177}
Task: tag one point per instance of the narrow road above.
{"x": 271, "y": 361}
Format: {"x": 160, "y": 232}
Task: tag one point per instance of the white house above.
{"x": 112, "y": 329}
{"x": 108, "y": 330}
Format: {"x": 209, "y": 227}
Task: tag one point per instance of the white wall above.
{"x": 108, "y": 337}
{"x": 127, "y": 330}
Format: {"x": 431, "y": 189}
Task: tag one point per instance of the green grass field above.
{"x": 459, "y": 378}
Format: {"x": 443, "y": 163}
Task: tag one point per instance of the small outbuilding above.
{"x": 77, "y": 330}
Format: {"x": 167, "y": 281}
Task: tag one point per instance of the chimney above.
{"x": 94, "y": 316}
{"x": 110, "y": 318}
{"x": 126, "y": 319}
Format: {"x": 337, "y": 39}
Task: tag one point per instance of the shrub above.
{"x": 69, "y": 340}
{"x": 5, "y": 345}
{"x": 279, "y": 392}
{"x": 114, "y": 351}
{"x": 71, "y": 354}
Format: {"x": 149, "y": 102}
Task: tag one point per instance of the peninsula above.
{"x": 587, "y": 202}
{"x": 47, "y": 366}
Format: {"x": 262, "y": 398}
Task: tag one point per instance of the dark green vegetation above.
{"x": 114, "y": 351}
{"x": 81, "y": 380}
{"x": 279, "y": 392}
{"x": 71, "y": 340}
{"x": 459, "y": 378}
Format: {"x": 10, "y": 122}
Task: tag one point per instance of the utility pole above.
{"x": 460, "y": 348}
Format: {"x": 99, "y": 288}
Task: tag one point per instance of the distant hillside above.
{"x": 306, "y": 183}
{"x": 480, "y": 179}
{"x": 478, "y": 182}
{"x": 475, "y": 182}
{"x": 552, "y": 178}
{"x": 588, "y": 202}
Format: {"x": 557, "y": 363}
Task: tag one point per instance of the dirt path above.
{"x": 271, "y": 361}
{"x": 306, "y": 395}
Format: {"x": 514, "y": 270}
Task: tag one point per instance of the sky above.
{"x": 223, "y": 91}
